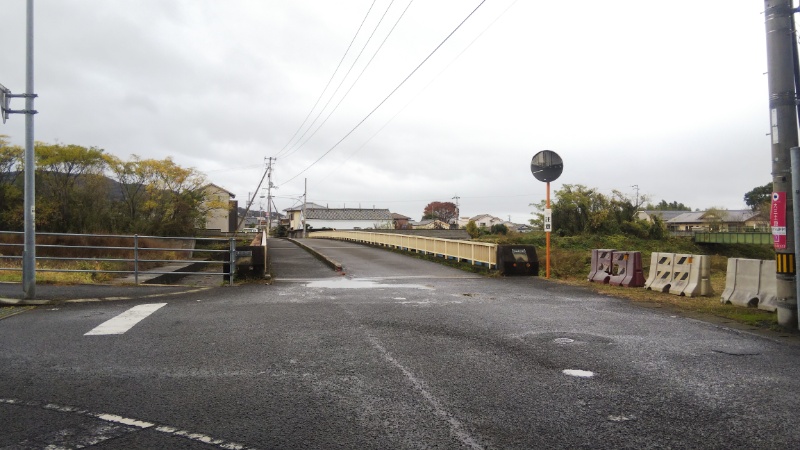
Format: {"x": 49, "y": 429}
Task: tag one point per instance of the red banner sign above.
{"x": 777, "y": 219}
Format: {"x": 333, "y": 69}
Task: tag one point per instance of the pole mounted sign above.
{"x": 546, "y": 166}
{"x": 777, "y": 220}
{"x": 4, "y": 102}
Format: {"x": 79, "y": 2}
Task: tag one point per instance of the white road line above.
{"x": 456, "y": 427}
{"x": 126, "y": 320}
{"x": 125, "y": 422}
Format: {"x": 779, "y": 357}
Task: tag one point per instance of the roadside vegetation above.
{"x": 570, "y": 263}
{"x": 585, "y": 219}
{"x": 85, "y": 190}
{"x": 98, "y": 271}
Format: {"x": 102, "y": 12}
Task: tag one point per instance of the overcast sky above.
{"x": 667, "y": 96}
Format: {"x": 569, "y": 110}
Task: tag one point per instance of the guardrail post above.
{"x": 232, "y": 259}
{"x": 136, "y": 259}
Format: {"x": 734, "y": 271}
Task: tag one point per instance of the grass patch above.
{"x": 43, "y": 275}
{"x": 100, "y": 247}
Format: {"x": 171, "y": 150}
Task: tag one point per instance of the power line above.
{"x": 359, "y": 75}
{"x": 330, "y": 80}
{"x": 335, "y": 170}
{"x": 388, "y": 96}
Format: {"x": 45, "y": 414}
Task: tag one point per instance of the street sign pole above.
{"x": 548, "y": 228}
{"x": 546, "y": 166}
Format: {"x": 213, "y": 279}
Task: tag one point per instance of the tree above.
{"x": 715, "y": 217}
{"x": 173, "y": 205}
{"x": 11, "y": 202}
{"x": 758, "y": 199}
{"x": 581, "y": 210}
{"x": 499, "y": 228}
{"x": 132, "y": 178}
{"x": 444, "y": 211}
{"x": 70, "y": 179}
{"x": 664, "y": 206}
{"x": 472, "y": 229}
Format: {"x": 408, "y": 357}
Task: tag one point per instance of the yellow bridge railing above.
{"x": 482, "y": 253}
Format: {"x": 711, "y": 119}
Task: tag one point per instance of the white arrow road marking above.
{"x": 126, "y": 320}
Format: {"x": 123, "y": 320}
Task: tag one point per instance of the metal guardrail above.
{"x": 230, "y": 253}
{"x": 475, "y": 252}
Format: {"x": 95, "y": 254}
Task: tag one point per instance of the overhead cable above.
{"x": 388, "y": 96}
{"x": 298, "y": 145}
{"x": 330, "y": 80}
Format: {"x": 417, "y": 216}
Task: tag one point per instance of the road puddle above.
{"x": 348, "y": 283}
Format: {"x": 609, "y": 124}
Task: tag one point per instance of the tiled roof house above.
{"x": 318, "y": 218}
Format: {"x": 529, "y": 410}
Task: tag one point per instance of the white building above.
{"x": 319, "y": 217}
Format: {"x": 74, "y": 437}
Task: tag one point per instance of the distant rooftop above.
{"x": 347, "y": 214}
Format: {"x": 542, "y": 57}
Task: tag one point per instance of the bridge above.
{"x": 759, "y": 238}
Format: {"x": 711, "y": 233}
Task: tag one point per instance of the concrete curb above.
{"x": 14, "y": 302}
{"x": 333, "y": 264}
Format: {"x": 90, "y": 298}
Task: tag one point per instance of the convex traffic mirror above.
{"x": 547, "y": 166}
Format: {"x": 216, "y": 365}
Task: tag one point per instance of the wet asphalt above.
{"x": 395, "y": 353}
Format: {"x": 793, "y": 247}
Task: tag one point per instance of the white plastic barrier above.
{"x": 692, "y": 276}
{"x": 661, "y": 268}
{"x": 750, "y": 282}
{"x": 680, "y": 274}
{"x": 681, "y": 267}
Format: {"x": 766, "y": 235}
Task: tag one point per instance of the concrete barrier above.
{"x": 750, "y": 282}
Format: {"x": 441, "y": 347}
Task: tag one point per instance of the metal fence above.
{"x": 475, "y": 252}
{"x": 136, "y": 251}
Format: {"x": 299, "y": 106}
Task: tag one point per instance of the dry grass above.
{"x": 80, "y": 247}
{"x": 694, "y": 306}
{"x": 43, "y": 275}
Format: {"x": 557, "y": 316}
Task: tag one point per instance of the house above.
{"x": 401, "y": 221}
{"x": 263, "y": 219}
{"x": 221, "y": 210}
{"x": 483, "y": 221}
{"x": 663, "y": 215}
{"x": 319, "y": 218}
{"x": 712, "y": 220}
{"x": 429, "y": 224}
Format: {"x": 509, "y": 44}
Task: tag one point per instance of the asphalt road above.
{"x": 396, "y": 353}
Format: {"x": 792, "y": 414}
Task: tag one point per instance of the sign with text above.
{"x": 777, "y": 219}
{"x": 548, "y": 220}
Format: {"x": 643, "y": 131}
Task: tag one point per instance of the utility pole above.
{"x": 29, "y": 248}
{"x": 269, "y": 194}
{"x": 305, "y": 193}
{"x": 29, "y": 199}
{"x": 636, "y": 187}
{"x": 783, "y": 122}
{"x": 458, "y": 211}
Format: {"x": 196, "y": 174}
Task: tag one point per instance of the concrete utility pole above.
{"x": 29, "y": 249}
{"x": 305, "y": 193}
{"x": 783, "y": 121}
{"x": 269, "y": 195}
{"x": 458, "y": 210}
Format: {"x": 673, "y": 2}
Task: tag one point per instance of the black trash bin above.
{"x": 517, "y": 260}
